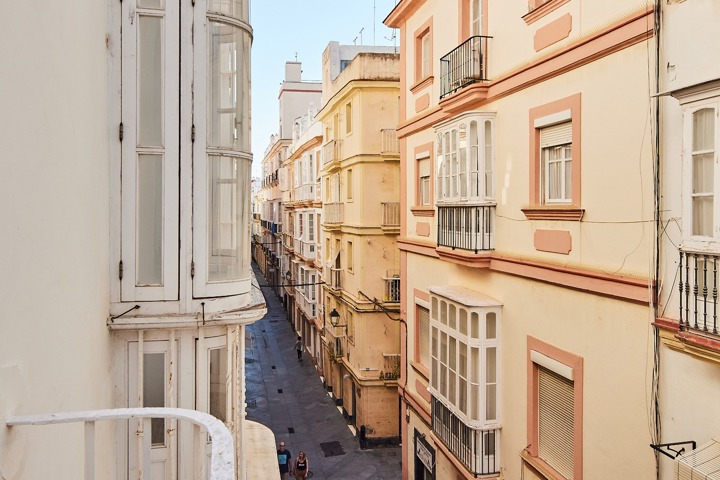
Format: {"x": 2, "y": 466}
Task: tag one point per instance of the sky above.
{"x": 283, "y": 29}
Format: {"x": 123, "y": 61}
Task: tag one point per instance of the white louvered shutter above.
{"x": 560, "y": 134}
{"x": 556, "y": 421}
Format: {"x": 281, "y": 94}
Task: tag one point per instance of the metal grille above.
{"x": 699, "y": 291}
{"x": 467, "y": 227}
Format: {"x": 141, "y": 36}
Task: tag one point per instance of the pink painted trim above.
{"x": 418, "y": 294}
{"x": 402, "y": 11}
{"x": 421, "y": 294}
{"x": 576, "y": 363}
{"x": 553, "y": 241}
{"x": 425, "y": 28}
{"x": 422, "y": 229}
{"x": 421, "y": 151}
{"x": 425, "y": 82}
{"x": 422, "y": 390}
{"x": 553, "y": 32}
{"x": 422, "y": 102}
{"x": 539, "y": 11}
{"x": 572, "y": 103}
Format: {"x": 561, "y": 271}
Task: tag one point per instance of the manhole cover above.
{"x": 291, "y": 430}
{"x": 249, "y": 360}
{"x": 332, "y": 449}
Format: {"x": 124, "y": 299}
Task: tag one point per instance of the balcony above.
{"x": 478, "y": 449}
{"x": 335, "y": 279}
{"x": 222, "y": 461}
{"x": 305, "y": 193}
{"x": 699, "y": 291}
{"x": 308, "y": 306}
{"x": 392, "y": 287}
{"x": 304, "y": 249}
{"x": 332, "y": 151}
{"x": 467, "y": 227}
{"x": 389, "y": 144}
{"x": 333, "y": 213}
{"x": 390, "y": 214}
{"x": 464, "y": 65}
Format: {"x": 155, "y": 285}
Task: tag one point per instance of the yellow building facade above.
{"x": 527, "y": 238}
{"x": 360, "y": 222}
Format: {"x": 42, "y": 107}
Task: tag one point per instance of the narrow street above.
{"x": 288, "y": 397}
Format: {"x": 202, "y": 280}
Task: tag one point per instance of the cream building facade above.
{"x": 360, "y": 222}
{"x": 688, "y": 349}
{"x": 133, "y": 257}
{"x": 527, "y": 238}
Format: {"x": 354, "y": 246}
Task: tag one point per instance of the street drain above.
{"x": 273, "y": 367}
{"x": 279, "y": 390}
{"x": 291, "y": 430}
{"x": 332, "y": 449}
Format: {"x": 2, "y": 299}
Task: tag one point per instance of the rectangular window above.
{"x": 154, "y": 392}
{"x": 349, "y": 185}
{"x": 311, "y": 227}
{"x": 703, "y": 172}
{"x": 556, "y": 421}
{"x": 422, "y": 327}
{"x": 218, "y": 376}
{"x": 348, "y": 118}
{"x": 423, "y": 182}
{"x": 556, "y": 145}
{"x": 425, "y": 47}
{"x": 350, "y": 259}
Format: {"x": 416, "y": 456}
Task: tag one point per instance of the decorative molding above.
{"x": 553, "y": 241}
{"x": 422, "y": 102}
{"x": 465, "y": 257}
{"x": 425, "y": 82}
{"x": 423, "y": 211}
{"x": 688, "y": 341}
{"x": 553, "y": 32}
{"x": 554, "y": 213}
{"x": 537, "y": 13}
{"x": 422, "y": 229}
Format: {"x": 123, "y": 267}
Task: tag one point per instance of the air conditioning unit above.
{"x": 703, "y": 463}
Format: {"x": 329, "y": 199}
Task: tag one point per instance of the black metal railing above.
{"x": 464, "y": 65}
{"x": 477, "y": 449}
{"x": 467, "y": 227}
{"x": 699, "y": 291}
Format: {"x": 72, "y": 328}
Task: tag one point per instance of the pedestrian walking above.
{"x": 302, "y": 467}
{"x": 299, "y": 348}
{"x": 284, "y": 461}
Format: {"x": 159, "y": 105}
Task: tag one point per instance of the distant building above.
{"x": 294, "y": 99}
{"x": 360, "y": 223}
{"x": 126, "y": 213}
{"x": 527, "y": 238}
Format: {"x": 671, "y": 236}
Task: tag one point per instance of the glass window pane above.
{"x": 490, "y": 325}
{"x": 453, "y": 316}
{"x": 218, "y": 385}
{"x": 452, "y": 359}
{"x": 490, "y": 368}
{"x": 702, "y": 211}
{"x": 228, "y": 87}
{"x": 463, "y": 321}
{"x": 704, "y": 129}
{"x": 443, "y": 312}
{"x": 154, "y": 392}
{"x": 151, "y": 4}
{"x": 149, "y": 220}
{"x": 150, "y": 81}
{"x": 474, "y": 325}
{"x": 232, "y": 8}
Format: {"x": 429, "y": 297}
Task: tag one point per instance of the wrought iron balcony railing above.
{"x": 467, "y": 227}
{"x": 333, "y": 212}
{"x": 464, "y": 65}
{"x": 477, "y": 449}
{"x": 389, "y": 144}
{"x": 392, "y": 287}
{"x": 390, "y": 214}
{"x": 699, "y": 291}
{"x": 331, "y": 151}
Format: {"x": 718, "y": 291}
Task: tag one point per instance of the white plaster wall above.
{"x": 689, "y": 389}
{"x": 54, "y": 345}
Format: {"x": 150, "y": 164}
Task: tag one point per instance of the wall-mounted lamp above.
{"x": 288, "y": 275}
{"x": 335, "y": 319}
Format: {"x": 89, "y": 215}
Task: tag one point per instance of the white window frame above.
{"x": 458, "y": 180}
{"x": 482, "y": 306}
{"x": 691, "y": 241}
{"x": 130, "y": 288}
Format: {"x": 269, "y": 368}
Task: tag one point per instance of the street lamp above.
{"x": 335, "y": 319}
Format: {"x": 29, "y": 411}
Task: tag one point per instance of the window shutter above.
{"x": 423, "y": 326}
{"x": 556, "y": 421}
{"x": 424, "y": 167}
{"x": 560, "y": 134}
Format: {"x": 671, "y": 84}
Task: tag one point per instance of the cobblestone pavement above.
{"x": 288, "y": 397}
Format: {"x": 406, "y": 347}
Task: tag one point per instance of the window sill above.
{"x": 699, "y": 344}
{"x": 423, "y": 211}
{"x": 422, "y": 83}
{"x": 537, "y": 13}
{"x": 421, "y": 369}
{"x": 542, "y": 469}
{"x": 546, "y": 212}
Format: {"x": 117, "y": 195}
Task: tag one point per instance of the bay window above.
{"x": 465, "y": 159}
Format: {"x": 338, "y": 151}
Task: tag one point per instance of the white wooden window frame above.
{"x": 481, "y": 344}
{"x": 690, "y": 241}
{"x": 130, "y": 288}
{"x": 202, "y": 286}
{"x": 457, "y": 179}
